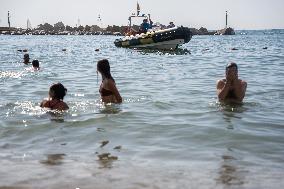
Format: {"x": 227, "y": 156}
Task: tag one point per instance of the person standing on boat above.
{"x": 145, "y": 26}
{"x": 231, "y": 89}
{"x": 108, "y": 90}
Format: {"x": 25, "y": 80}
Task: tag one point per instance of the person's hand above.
{"x": 230, "y": 80}
{"x": 229, "y": 77}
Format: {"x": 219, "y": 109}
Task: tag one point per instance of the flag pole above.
{"x": 138, "y": 8}
{"x": 9, "y": 22}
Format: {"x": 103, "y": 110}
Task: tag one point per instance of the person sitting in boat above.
{"x": 35, "y": 64}
{"x": 231, "y": 89}
{"x": 145, "y": 26}
{"x": 26, "y": 59}
{"x": 130, "y": 31}
{"x": 108, "y": 90}
{"x": 55, "y": 101}
{"x": 171, "y": 25}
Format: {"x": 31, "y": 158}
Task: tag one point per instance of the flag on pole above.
{"x": 138, "y": 8}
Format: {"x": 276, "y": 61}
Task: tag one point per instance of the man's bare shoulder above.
{"x": 243, "y": 82}
{"x": 220, "y": 83}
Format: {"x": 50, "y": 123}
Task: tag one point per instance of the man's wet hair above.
{"x": 231, "y": 65}
{"x": 35, "y": 63}
{"x": 58, "y": 91}
{"x": 26, "y": 56}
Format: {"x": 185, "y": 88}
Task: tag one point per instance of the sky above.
{"x": 242, "y": 14}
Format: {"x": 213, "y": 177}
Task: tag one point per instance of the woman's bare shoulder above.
{"x": 62, "y": 106}
{"x": 44, "y": 103}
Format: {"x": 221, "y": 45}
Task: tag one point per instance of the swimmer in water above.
{"x": 55, "y": 101}
{"x": 231, "y": 88}
{"x": 108, "y": 90}
{"x": 26, "y": 59}
{"x": 35, "y": 64}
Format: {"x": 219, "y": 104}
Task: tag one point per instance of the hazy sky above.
{"x": 243, "y": 14}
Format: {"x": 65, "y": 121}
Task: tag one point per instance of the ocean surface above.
{"x": 169, "y": 132}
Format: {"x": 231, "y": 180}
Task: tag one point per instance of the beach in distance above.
{"x": 169, "y": 132}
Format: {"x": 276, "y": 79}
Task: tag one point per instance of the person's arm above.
{"x": 43, "y": 103}
{"x": 133, "y": 30}
{"x": 240, "y": 89}
{"x": 113, "y": 88}
{"x": 222, "y": 89}
{"x": 66, "y": 107}
{"x": 62, "y": 106}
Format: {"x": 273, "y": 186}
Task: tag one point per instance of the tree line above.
{"x": 60, "y": 27}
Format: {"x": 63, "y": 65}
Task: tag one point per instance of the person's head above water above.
{"x": 104, "y": 68}
{"x": 232, "y": 69}
{"x": 145, "y": 20}
{"x": 232, "y": 65}
{"x": 26, "y": 58}
{"x": 35, "y": 63}
{"x": 57, "y": 91}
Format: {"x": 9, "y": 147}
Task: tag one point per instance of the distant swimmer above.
{"x": 55, "y": 101}
{"x": 35, "y": 64}
{"x": 24, "y": 50}
{"x": 231, "y": 89}
{"x": 108, "y": 90}
{"x": 26, "y": 59}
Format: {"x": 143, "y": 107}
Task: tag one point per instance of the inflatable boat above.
{"x": 166, "y": 39}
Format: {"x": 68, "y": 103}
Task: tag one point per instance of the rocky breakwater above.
{"x": 204, "y": 31}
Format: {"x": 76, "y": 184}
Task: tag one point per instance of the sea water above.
{"x": 169, "y": 132}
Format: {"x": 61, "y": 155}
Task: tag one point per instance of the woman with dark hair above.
{"x": 55, "y": 101}
{"x": 108, "y": 90}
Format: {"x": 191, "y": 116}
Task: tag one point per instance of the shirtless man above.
{"x": 231, "y": 89}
